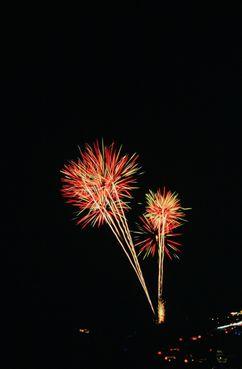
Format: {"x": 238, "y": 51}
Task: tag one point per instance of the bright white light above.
{"x": 230, "y": 325}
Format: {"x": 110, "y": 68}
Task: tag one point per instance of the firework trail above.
{"x": 156, "y": 229}
{"x": 99, "y": 185}
{"x": 161, "y": 311}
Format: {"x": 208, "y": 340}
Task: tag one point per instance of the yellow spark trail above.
{"x": 116, "y": 232}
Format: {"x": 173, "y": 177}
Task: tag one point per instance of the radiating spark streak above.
{"x": 230, "y": 325}
{"x": 118, "y": 225}
{"x": 137, "y": 271}
{"x": 161, "y": 256}
{"x": 115, "y": 214}
{"x": 129, "y": 242}
{"x": 141, "y": 281}
{"x": 159, "y": 265}
{"x": 113, "y": 227}
{"x": 132, "y": 249}
{"x": 126, "y": 230}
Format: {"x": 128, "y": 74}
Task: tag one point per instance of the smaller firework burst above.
{"x": 164, "y": 210}
{"x": 156, "y": 233}
{"x": 147, "y": 240}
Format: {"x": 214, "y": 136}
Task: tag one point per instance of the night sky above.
{"x": 165, "y": 87}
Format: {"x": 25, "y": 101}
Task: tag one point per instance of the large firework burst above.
{"x": 99, "y": 184}
{"x": 99, "y": 177}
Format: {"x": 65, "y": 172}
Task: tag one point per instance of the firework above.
{"x": 99, "y": 184}
{"x": 101, "y": 174}
{"x": 162, "y": 216}
{"x": 147, "y": 240}
{"x": 161, "y": 312}
{"x": 164, "y": 210}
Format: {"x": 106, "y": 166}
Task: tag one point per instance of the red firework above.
{"x": 149, "y": 243}
{"x": 164, "y": 210}
{"x": 99, "y": 183}
{"x": 163, "y": 215}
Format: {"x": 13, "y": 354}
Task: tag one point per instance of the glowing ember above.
{"x": 161, "y": 312}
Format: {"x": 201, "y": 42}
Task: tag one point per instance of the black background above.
{"x": 166, "y": 86}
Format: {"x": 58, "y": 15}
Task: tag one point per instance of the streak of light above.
{"x": 230, "y": 325}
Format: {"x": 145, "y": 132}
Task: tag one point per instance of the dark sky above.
{"x": 165, "y": 87}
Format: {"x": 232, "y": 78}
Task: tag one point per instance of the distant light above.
{"x": 186, "y": 361}
{"x": 180, "y": 339}
{"x": 84, "y": 330}
{"x": 210, "y": 350}
{"x": 174, "y": 349}
{"x": 199, "y": 336}
{"x": 166, "y": 358}
{"x": 233, "y": 313}
{"x": 159, "y": 353}
{"x": 194, "y": 338}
